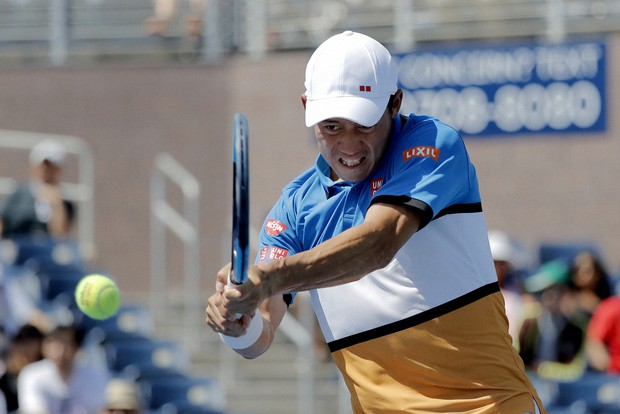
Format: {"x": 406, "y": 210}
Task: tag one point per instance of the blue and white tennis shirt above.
{"x": 433, "y": 320}
{"x": 425, "y": 167}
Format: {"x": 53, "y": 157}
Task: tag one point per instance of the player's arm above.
{"x": 597, "y": 354}
{"x": 271, "y": 310}
{"x": 344, "y": 258}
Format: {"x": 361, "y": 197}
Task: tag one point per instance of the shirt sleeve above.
{"x": 277, "y": 237}
{"x": 429, "y": 170}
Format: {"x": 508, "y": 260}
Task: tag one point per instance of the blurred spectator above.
{"x": 24, "y": 348}
{"x": 590, "y": 282}
{"x": 61, "y": 383}
{"x": 552, "y": 336}
{"x": 122, "y": 397}
{"x": 603, "y": 337}
{"x": 510, "y": 259}
{"x": 18, "y": 307}
{"x": 164, "y": 12}
{"x": 38, "y": 207}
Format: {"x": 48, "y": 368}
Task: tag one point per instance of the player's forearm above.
{"x": 272, "y": 312}
{"x": 346, "y": 257}
{"x": 262, "y": 344}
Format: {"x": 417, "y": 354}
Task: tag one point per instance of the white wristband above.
{"x": 251, "y": 336}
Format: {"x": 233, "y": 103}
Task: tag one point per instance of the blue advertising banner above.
{"x": 510, "y": 89}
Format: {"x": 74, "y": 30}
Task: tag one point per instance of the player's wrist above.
{"x": 251, "y": 336}
{"x": 265, "y": 277}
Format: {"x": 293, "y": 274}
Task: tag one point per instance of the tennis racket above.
{"x": 241, "y": 201}
{"x": 241, "y": 228}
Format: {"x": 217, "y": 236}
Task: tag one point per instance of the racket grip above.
{"x": 251, "y": 336}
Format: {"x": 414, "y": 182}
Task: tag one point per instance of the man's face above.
{"x": 353, "y": 151}
{"x": 60, "y": 349}
{"x": 48, "y": 172}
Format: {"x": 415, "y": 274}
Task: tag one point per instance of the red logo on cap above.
{"x": 274, "y": 227}
{"x": 365, "y": 88}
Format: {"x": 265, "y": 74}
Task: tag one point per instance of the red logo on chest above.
{"x": 422, "y": 152}
{"x": 272, "y": 253}
{"x": 375, "y": 185}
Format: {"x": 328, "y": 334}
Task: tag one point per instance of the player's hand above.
{"x": 222, "y": 278}
{"x": 244, "y": 299}
{"x": 218, "y": 317}
{"x": 219, "y": 323}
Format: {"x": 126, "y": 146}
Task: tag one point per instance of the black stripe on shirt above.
{"x": 425, "y": 210}
{"x": 414, "y": 320}
{"x": 459, "y": 209}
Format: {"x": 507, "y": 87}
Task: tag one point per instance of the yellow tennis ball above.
{"x": 97, "y": 296}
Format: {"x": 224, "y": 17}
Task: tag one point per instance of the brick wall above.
{"x": 537, "y": 187}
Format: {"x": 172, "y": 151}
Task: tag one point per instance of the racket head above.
{"x": 241, "y": 201}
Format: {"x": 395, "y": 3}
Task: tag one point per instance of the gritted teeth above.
{"x": 352, "y": 163}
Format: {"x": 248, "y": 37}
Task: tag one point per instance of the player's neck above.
{"x": 334, "y": 177}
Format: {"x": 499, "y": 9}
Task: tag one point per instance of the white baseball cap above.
{"x": 507, "y": 249}
{"x": 50, "y": 150}
{"x": 349, "y": 76}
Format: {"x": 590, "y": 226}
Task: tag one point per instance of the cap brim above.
{"x": 363, "y": 111}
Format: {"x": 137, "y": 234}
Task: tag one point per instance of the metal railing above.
{"x": 300, "y": 333}
{"x": 67, "y": 28}
{"x": 185, "y": 226}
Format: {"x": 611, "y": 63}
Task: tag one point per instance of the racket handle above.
{"x": 231, "y": 283}
{"x": 251, "y": 336}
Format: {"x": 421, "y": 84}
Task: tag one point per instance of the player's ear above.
{"x": 304, "y": 99}
{"x": 396, "y": 103}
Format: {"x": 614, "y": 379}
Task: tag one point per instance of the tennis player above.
{"x": 387, "y": 233}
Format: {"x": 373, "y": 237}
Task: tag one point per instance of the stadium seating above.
{"x": 548, "y": 251}
{"x": 54, "y": 264}
{"x": 39, "y": 251}
{"x": 124, "y": 343}
{"x": 198, "y": 410}
{"x": 593, "y": 393}
{"x": 130, "y": 322}
{"x": 55, "y": 287}
{"x": 153, "y": 352}
{"x": 145, "y": 371}
{"x": 184, "y": 395}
